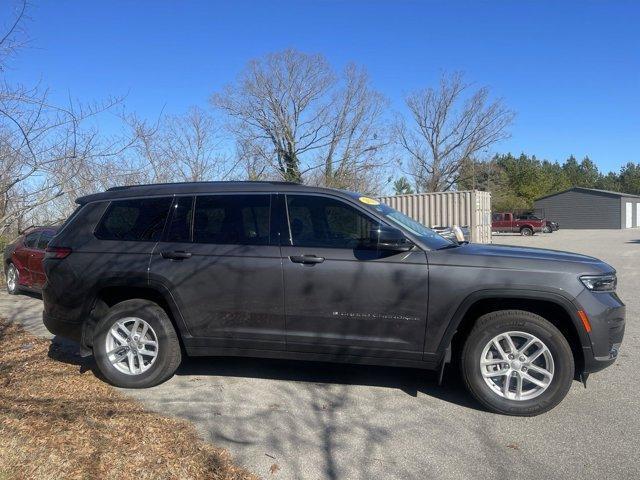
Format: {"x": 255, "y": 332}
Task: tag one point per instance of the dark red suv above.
{"x": 22, "y": 259}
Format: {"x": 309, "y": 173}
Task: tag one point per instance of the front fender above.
{"x": 555, "y": 296}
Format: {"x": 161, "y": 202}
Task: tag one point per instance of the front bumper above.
{"x": 606, "y": 314}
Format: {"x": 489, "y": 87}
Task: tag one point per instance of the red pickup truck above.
{"x": 506, "y": 222}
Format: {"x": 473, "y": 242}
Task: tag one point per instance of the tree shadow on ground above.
{"x": 68, "y": 351}
{"x": 408, "y": 380}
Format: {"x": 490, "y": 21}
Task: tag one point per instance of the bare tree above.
{"x": 181, "y": 148}
{"x": 292, "y": 111}
{"x": 43, "y": 150}
{"x": 252, "y": 160}
{"x": 43, "y": 147}
{"x": 12, "y": 35}
{"x": 445, "y": 129}
{"x": 356, "y": 153}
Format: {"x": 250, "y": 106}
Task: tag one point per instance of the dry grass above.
{"x": 58, "y": 421}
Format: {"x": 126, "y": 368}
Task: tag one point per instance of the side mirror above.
{"x": 390, "y": 239}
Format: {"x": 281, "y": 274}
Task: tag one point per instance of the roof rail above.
{"x": 272, "y": 182}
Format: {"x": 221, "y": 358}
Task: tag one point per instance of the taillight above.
{"x": 57, "y": 252}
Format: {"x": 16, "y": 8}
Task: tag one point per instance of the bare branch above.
{"x": 445, "y": 130}
{"x": 294, "y": 117}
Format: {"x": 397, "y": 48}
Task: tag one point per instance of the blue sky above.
{"x": 571, "y": 70}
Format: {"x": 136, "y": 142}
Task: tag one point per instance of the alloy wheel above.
{"x": 517, "y": 365}
{"x": 132, "y": 346}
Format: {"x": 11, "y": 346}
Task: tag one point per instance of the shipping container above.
{"x": 469, "y": 208}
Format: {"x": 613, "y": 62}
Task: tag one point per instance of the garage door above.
{"x": 638, "y": 214}
{"x": 629, "y": 222}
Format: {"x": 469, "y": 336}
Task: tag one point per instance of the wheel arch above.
{"x": 553, "y": 307}
{"x": 112, "y": 291}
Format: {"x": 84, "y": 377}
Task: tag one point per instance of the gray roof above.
{"x": 591, "y": 190}
{"x": 184, "y": 188}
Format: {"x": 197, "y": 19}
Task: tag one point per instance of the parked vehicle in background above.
{"x": 508, "y": 223}
{"x": 142, "y": 275}
{"x": 549, "y": 226}
{"x": 22, "y": 259}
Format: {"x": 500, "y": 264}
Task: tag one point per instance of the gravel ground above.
{"x": 303, "y": 420}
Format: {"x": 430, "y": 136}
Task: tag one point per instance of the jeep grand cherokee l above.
{"x": 143, "y": 275}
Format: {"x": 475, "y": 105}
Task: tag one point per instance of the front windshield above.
{"x": 432, "y": 239}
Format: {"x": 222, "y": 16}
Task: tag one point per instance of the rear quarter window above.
{"x": 140, "y": 220}
{"x": 31, "y": 239}
{"x": 44, "y": 239}
{"x": 70, "y": 218}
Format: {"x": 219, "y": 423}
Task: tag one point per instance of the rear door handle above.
{"x": 177, "y": 255}
{"x": 307, "y": 259}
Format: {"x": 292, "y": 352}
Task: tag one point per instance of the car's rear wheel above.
{"x": 135, "y": 345}
{"x": 12, "y": 279}
{"x": 526, "y": 231}
{"x": 517, "y": 363}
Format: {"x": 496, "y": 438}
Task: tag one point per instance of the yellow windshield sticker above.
{"x": 369, "y": 201}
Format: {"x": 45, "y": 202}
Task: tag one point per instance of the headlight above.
{"x": 600, "y": 283}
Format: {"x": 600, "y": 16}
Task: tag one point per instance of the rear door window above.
{"x": 139, "y": 220}
{"x": 180, "y": 220}
{"x": 232, "y": 219}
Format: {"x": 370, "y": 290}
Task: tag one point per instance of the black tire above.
{"x": 16, "y": 288}
{"x": 492, "y": 324}
{"x": 547, "y": 229}
{"x": 169, "y": 354}
{"x": 526, "y": 231}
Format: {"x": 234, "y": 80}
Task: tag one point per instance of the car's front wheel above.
{"x": 526, "y": 231}
{"x": 135, "y": 345}
{"x": 547, "y": 229}
{"x": 517, "y": 363}
{"x": 12, "y": 278}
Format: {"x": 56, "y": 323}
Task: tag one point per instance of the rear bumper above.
{"x": 62, "y": 328}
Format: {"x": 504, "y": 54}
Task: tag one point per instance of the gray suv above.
{"x": 143, "y": 275}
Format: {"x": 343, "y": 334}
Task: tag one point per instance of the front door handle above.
{"x": 176, "y": 255}
{"x": 307, "y": 259}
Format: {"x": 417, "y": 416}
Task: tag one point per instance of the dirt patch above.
{"x": 57, "y": 420}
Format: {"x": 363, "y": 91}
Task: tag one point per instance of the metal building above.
{"x": 469, "y": 208}
{"x": 590, "y": 208}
